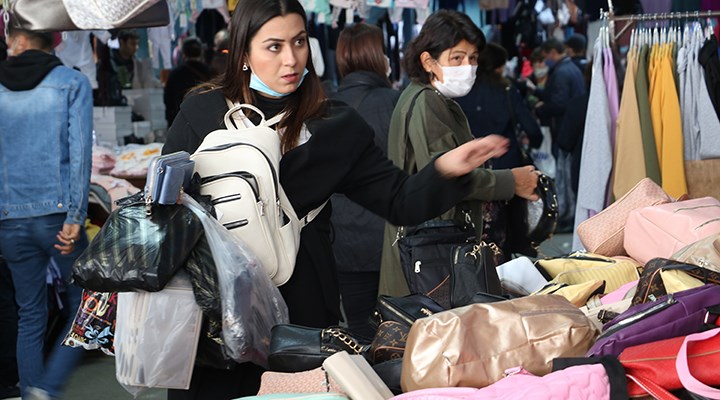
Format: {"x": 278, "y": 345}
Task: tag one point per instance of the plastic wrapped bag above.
{"x": 156, "y": 337}
{"x": 94, "y": 324}
{"x": 251, "y": 303}
{"x": 135, "y": 250}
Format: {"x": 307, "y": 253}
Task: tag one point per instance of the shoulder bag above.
{"x": 427, "y": 251}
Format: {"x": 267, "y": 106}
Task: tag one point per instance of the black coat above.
{"x": 565, "y": 82}
{"x": 358, "y": 233}
{"x": 489, "y": 108}
{"x": 340, "y": 157}
{"x": 708, "y": 58}
{"x": 180, "y": 80}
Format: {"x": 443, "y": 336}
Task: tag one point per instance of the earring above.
{"x": 245, "y": 67}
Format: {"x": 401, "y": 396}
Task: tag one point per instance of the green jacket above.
{"x": 437, "y": 124}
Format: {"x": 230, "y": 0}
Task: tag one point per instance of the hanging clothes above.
{"x": 612, "y": 91}
{"x": 708, "y": 58}
{"x": 629, "y": 164}
{"x": 688, "y": 102}
{"x": 597, "y": 157}
{"x": 708, "y": 123}
{"x": 667, "y": 124}
{"x": 652, "y": 165}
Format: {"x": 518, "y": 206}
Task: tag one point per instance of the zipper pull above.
{"x": 262, "y": 207}
{"x": 398, "y": 235}
{"x": 417, "y": 266}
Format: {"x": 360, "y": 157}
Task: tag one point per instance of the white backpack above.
{"x": 239, "y": 169}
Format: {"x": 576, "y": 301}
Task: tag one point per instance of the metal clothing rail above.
{"x": 611, "y": 18}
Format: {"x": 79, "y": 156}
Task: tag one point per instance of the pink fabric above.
{"x": 662, "y": 230}
{"x": 619, "y": 293}
{"x": 681, "y": 364}
{"x": 578, "y": 382}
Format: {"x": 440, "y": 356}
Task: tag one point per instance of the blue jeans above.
{"x": 27, "y": 245}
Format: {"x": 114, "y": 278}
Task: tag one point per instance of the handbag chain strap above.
{"x": 478, "y": 247}
{"x": 347, "y": 340}
{"x": 6, "y": 16}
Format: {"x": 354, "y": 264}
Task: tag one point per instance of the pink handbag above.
{"x": 603, "y": 233}
{"x": 578, "y": 382}
{"x": 662, "y": 230}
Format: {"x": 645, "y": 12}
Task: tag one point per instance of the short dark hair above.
{"x": 537, "y": 56}
{"x": 192, "y": 47}
{"x": 126, "y": 34}
{"x": 443, "y": 30}
{"x": 360, "y": 48}
{"x": 492, "y": 57}
{"x": 40, "y": 40}
{"x": 553, "y": 44}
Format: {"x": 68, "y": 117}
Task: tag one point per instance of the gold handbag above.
{"x": 473, "y": 345}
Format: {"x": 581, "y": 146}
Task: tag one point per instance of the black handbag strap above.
{"x": 527, "y": 159}
{"x": 358, "y": 100}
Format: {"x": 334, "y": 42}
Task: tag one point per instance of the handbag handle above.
{"x": 683, "y": 370}
{"x": 652, "y": 388}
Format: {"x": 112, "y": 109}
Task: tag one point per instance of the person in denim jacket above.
{"x": 45, "y": 163}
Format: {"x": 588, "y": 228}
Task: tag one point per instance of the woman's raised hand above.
{"x": 473, "y": 154}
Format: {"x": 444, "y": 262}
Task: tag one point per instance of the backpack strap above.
{"x": 234, "y": 107}
{"x": 312, "y": 214}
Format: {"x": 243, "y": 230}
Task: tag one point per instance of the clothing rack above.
{"x": 611, "y": 17}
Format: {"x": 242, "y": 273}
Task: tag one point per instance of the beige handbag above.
{"x": 604, "y": 232}
{"x": 313, "y": 381}
{"x": 704, "y": 253}
{"x": 474, "y": 345}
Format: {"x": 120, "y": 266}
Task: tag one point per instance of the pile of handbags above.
{"x": 635, "y": 315}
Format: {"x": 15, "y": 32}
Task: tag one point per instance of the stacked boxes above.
{"x": 149, "y": 103}
{"x": 111, "y": 124}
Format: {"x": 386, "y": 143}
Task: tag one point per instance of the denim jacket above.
{"x": 46, "y": 147}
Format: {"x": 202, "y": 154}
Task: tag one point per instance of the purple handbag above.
{"x": 677, "y": 314}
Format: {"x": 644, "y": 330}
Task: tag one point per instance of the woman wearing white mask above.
{"x": 441, "y": 63}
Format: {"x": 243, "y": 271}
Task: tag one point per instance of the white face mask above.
{"x": 540, "y": 72}
{"x": 457, "y": 81}
{"x": 10, "y": 51}
{"x": 389, "y": 69}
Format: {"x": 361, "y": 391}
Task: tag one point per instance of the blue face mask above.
{"x": 260, "y": 86}
{"x": 550, "y": 63}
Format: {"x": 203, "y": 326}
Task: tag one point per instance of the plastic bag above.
{"x": 135, "y": 250}
{"x": 251, "y": 303}
{"x": 543, "y": 157}
{"x": 156, "y": 337}
{"x": 94, "y": 324}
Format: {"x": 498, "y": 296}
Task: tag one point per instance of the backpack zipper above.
{"x": 639, "y": 316}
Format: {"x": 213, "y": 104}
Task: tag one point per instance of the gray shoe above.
{"x": 33, "y": 393}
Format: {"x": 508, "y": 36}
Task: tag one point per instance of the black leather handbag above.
{"x": 425, "y": 256}
{"x": 404, "y": 310}
{"x": 474, "y": 272}
{"x": 295, "y": 348}
{"x": 137, "y": 251}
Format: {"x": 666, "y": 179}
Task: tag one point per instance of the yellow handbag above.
{"x": 582, "y": 267}
{"x": 577, "y": 294}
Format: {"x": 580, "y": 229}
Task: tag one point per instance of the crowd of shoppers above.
{"x": 458, "y": 91}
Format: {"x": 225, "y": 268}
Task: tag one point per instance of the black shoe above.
{"x": 9, "y": 392}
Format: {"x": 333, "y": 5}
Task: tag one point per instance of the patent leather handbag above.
{"x": 663, "y": 363}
